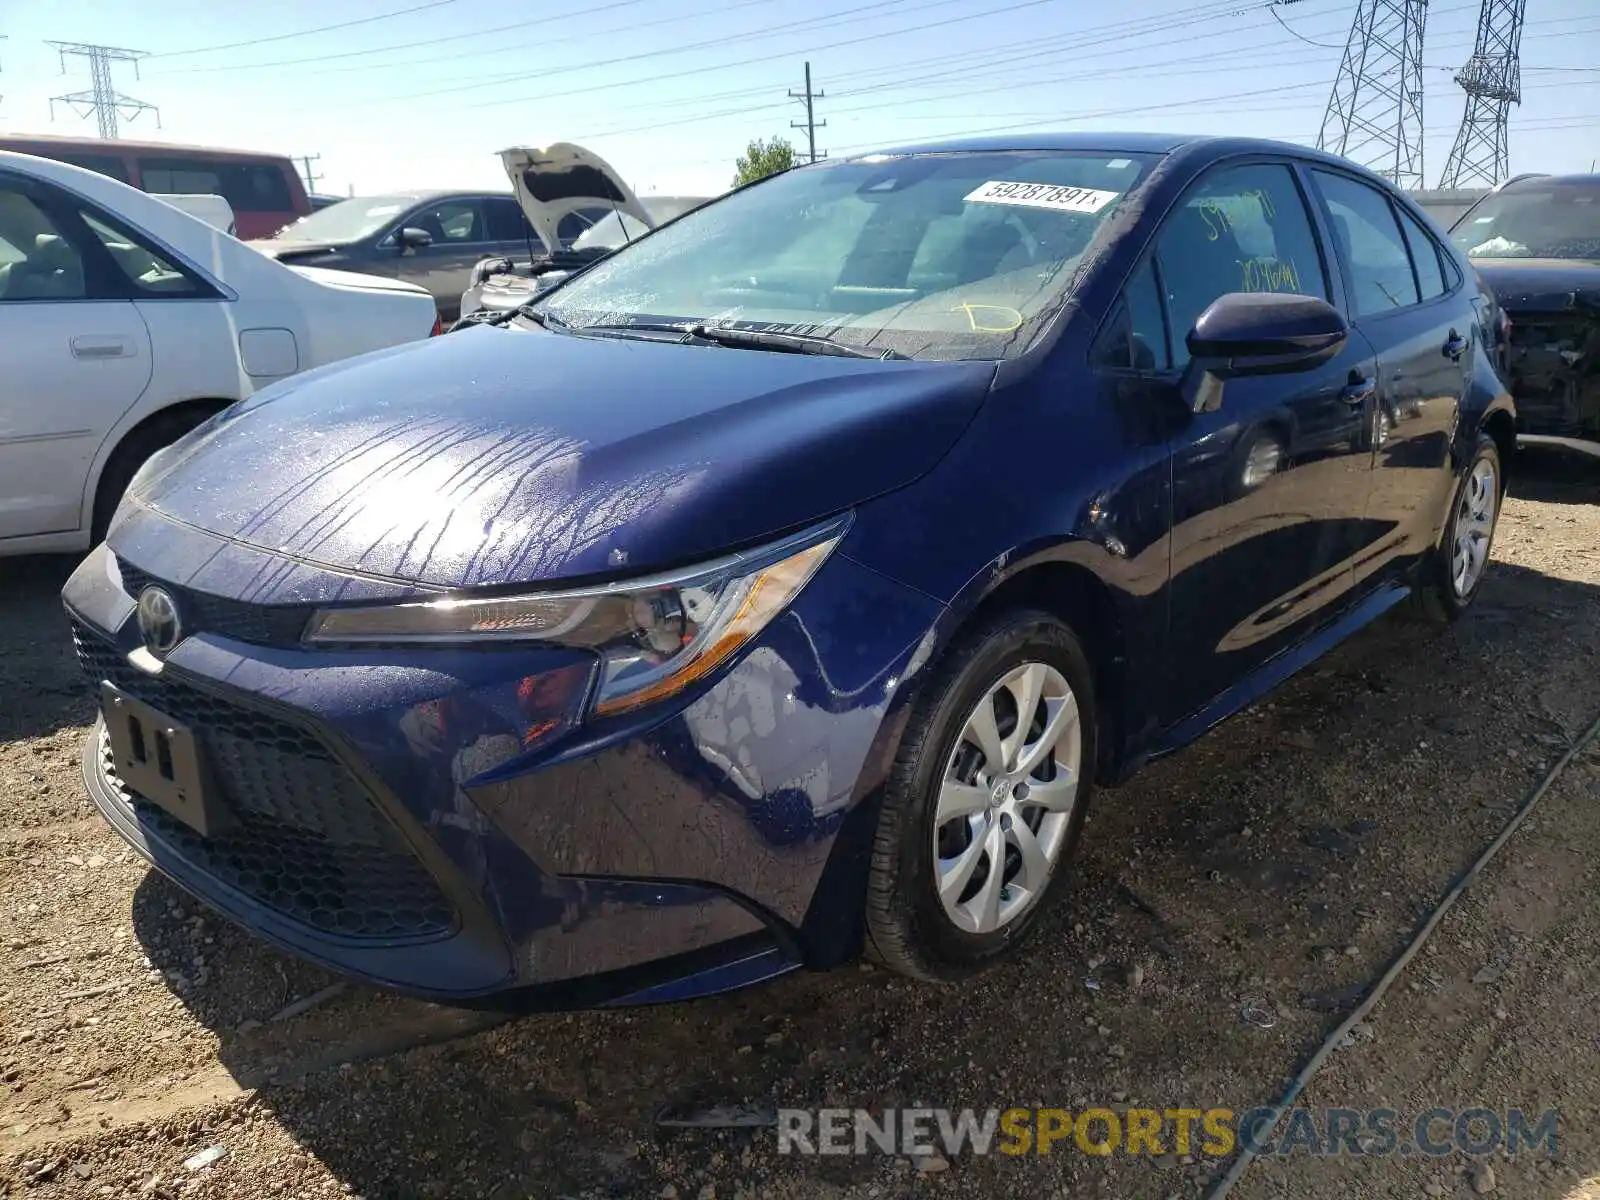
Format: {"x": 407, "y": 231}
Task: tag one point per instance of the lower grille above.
{"x": 307, "y": 841}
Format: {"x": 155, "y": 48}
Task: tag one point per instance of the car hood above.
{"x": 1542, "y": 284}
{"x": 507, "y": 456}
{"x": 552, "y": 181}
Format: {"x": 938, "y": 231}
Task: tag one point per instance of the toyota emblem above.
{"x": 158, "y": 620}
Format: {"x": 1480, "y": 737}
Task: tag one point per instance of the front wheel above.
{"x": 1449, "y": 579}
{"x": 986, "y": 800}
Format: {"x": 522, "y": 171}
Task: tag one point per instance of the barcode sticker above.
{"x": 1041, "y": 195}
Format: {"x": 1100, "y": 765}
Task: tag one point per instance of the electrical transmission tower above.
{"x": 1492, "y": 80}
{"x": 102, "y": 98}
{"x": 810, "y": 124}
{"x": 1374, "y": 114}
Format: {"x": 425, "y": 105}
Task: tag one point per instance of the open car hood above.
{"x": 553, "y": 181}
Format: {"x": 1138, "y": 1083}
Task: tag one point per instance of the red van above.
{"x": 263, "y": 189}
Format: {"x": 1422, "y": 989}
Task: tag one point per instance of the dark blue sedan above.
{"x": 782, "y": 586}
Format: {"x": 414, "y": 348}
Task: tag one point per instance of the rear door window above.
{"x": 38, "y": 260}
{"x": 506, "y": 222}
{"x": 1370, "y": 244}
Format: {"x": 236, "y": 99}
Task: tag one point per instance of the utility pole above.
{"x": 810, "y": 124}
{"x": 1492, "y": 80}
{"x": 102, "y": 98}
{"x": 311, "y": 178}
{"x": 1374, "y": 113}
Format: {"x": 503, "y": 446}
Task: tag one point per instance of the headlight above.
{"x": 655, "y": 636}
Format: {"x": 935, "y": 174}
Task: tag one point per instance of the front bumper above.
{"x": 445, "y": 822}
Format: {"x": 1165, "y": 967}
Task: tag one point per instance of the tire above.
{"x": 1439, "y": 596}
{"x": 156, "y": 434}
{"x": 910, "y": 928}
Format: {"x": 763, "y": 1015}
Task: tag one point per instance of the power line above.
{"x": 102, "y": 97}
{"x": 810, "y": 124}
{"x": 478, "y": 82}
{"x": 299, "y": 33}
{"x": 456, "y": 37}
{"x": 1005, "y": 68}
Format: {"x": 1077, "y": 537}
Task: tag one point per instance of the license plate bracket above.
{"x": 160, "y": 758}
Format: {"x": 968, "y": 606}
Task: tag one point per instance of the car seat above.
{"x": 52, "y": 271}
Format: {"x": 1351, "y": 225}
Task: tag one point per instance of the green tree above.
{"x": 761, "y": 159}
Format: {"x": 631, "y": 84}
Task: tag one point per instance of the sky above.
{"x": 422, "y": 93}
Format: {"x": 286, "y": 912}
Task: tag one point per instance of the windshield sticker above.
{"x": 383, "y": 210}
{"x": 1119, "y": 164}
{"x": 1000, "y": 318}
{"x": 1041, "y": 195}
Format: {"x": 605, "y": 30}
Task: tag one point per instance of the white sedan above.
{"x": 125, "y": 322}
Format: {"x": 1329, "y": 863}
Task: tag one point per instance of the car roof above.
{"x": 121, "y": 146}
{"x": 1580, "y": 180}
{"x": 1118, "y": 142}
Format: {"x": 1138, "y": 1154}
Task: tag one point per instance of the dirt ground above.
{"x": 1273, "y": 869}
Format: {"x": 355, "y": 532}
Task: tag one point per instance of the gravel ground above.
{"x": 1277, "y": 866}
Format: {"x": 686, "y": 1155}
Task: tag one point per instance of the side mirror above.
{"x": 1258, "y": 333}
{"x": 412, "y": 238}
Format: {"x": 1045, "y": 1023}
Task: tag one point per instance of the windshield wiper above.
{"x": 793, "y": 343}
{"x": 738, "y": 339}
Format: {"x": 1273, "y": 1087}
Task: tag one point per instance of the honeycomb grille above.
{"x": 307, "y": 841}
{"x": 260, "y": 624}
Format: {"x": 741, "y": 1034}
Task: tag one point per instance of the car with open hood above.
{"x": 128, "y": 318}
{"x": 785, "y": 584}
{"x": 1536, "y": 241}
{"x": 580, "y": 208}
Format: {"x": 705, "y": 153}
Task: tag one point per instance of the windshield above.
{"x": 1533, "y": 221}
{"x": 617, "y": 228}
{"x": 348, "y": 220}
{"x": 941, "y": 256}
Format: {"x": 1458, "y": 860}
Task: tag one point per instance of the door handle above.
{"x": 1455, "y": 346}
{"x": 98, "y": 347}
{"x": 1356, "y": 393}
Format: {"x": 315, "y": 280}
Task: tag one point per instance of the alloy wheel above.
{"x": 1006, "y": 798}
{"x": 1474, "y": 525}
